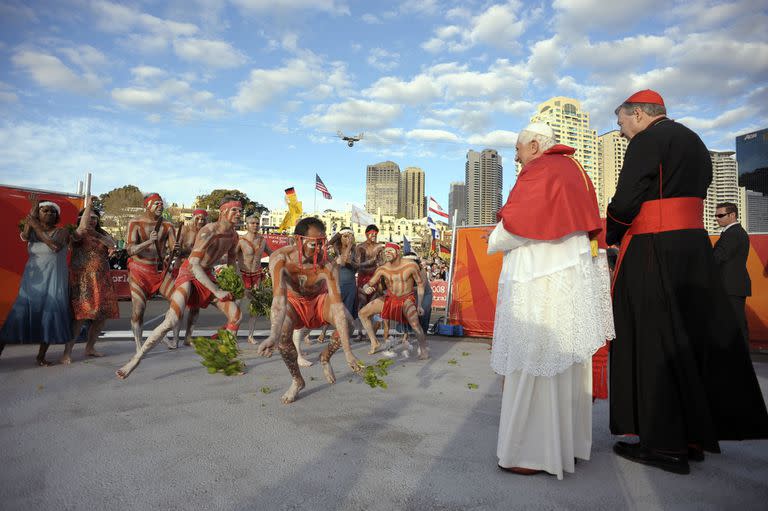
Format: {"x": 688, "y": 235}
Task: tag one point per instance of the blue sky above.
{"x": 185, "y": 96}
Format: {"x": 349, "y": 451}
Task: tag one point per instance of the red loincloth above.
{"x": 146, "y": 277}
{"x": 251, "y": 280}
{"x": 199, "y": 296}
{"x": 393, "y": 306}
{"x": 309, "y": 310}
{"x": 363, "y": 279}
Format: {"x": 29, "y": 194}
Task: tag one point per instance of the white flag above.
{"x": 360, "y": 216}
{"x": 435, "y": 208}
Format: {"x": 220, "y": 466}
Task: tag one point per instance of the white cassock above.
{"x": 552, "y": 313}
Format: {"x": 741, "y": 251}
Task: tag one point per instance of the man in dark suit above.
{"x": 731, "y": 252}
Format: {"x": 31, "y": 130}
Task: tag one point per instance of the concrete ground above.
{"x": 174, "y": 437}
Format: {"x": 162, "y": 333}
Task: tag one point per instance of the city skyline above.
{"x": 185, "y": 97}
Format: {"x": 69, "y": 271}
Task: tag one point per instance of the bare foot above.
{"x": 293, "y": 392}
{"x": 251, "y": 340}
{"x": 127, "y": 369}
{"x": 42, "y": 362}
{"x": 374, "y": 346}
{"x": 171, "y": 346}
{"x": 187, "y": 342}
{"x": 303, "y": 362}
{"x": 94, "y": 353}
{"x": 66, "y": 360}
{"x": 423, "y": 353}
{"x": 330, "y": 377}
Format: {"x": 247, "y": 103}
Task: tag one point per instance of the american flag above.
{"x": 320, "y": 186}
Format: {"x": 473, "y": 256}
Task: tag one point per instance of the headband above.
{"x": 231, "y": 204}
{"x": 392, "y": 245}
{"x": 149, "y": 199}
{"x": 346, "y": 231}
{"x": 52, "y": 204}
{"x": 199, "y": 212}
{"x": 371, "y": 229}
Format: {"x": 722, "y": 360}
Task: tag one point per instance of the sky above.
{"x": 184, "y": 96}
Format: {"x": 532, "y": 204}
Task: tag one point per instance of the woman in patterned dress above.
{"x": 90, "y": 286}
{"x": 41, "y": 310}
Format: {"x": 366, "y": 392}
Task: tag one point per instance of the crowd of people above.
{"x": 681, "y": 379}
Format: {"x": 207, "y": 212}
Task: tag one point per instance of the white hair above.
{"x": 540, "y": 132}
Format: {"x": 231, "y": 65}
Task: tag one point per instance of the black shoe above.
{"x": 695, "y": 454}
{"x": 677, "y": 464}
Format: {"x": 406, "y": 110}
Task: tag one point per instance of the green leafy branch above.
{"x": 219, "y": 355}
{"x": 372, "y": 374}
{"x": 229, "y": 280}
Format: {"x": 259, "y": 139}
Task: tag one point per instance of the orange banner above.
{"x": 476, "y": 275}
{"x": 13, "y": 257}
{"x": 474, "y": 282}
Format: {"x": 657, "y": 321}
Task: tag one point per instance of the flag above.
{"x": 320, "y": 186}
{"x": 360, "y": 216}
{"x": 433, "y": 227}
{"x": 435, "y": 208}
{"x": 406, "y": 245}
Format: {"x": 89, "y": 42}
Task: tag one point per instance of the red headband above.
{"x": 152, "y": 198}
{"x": 199, "y": 212}
{"x": 231, "y": 204}
{"x": 372, "y": 229}
{"x": 392, "y": 245}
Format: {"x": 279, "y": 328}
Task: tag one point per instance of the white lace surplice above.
{"x": 554, "y": 305}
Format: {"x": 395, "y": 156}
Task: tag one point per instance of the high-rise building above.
{"x": 610, "y": 158}
{"x": 724, "y": 188}
{"x": 457, "y": 201}
{"x": 752, "y": 155}
{"x": 571, "y": 126}
{"x": 382, "y": 188}
{"x": 483, "y": 175}
{"x": 411, "y": 201}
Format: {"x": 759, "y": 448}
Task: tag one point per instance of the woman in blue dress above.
{"x": 41, "y": 310}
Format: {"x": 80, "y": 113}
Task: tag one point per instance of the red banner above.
{"x": 439, "y": 293}
{"x": 120, "y": 284}
{"x": 275, "y": 241}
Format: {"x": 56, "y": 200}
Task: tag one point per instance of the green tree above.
{"x": 212, "y": 200}
{"x": 119, "y": 206}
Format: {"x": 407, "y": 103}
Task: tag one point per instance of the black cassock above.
{"x": 679, "y": 371}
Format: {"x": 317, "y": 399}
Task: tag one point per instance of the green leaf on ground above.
{"x": 265, "y": 390}
{"x": 453, "y": 362}
{"x": 464, "y": 353}
{"x": 472, "y": 386}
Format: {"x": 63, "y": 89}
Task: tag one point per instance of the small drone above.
{"x": 350, "y": 140}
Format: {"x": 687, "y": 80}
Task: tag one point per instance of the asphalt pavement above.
{"x": 174, "y": 437}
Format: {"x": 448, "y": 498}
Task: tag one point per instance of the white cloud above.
{"x": 581, "y": 16}
{"x": 495, "y": 139}
{"x": 419, "y": 90}
{"x": 144, "y": 73}
{"x": 120, "y": 154}
{"x": 116, "y": 18}
{"x": 8, "y": 97}
{"x": 726, "y": 119}
{"x": 215, "y": 54}
{"x": 263, "y": 6}
{"x": 50, "y": 72}
{"x": 264, "y": 85}
{"x": 370, "y": 19}
{"x": 383, "y": 60}
{"x": 85, "y": 57}
{"x": 428, "y": 135}
{"x": 498, "y": 26}
{"x": 352, "y": 115}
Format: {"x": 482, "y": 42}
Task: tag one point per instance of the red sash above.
{"x": 662, "y": 215}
